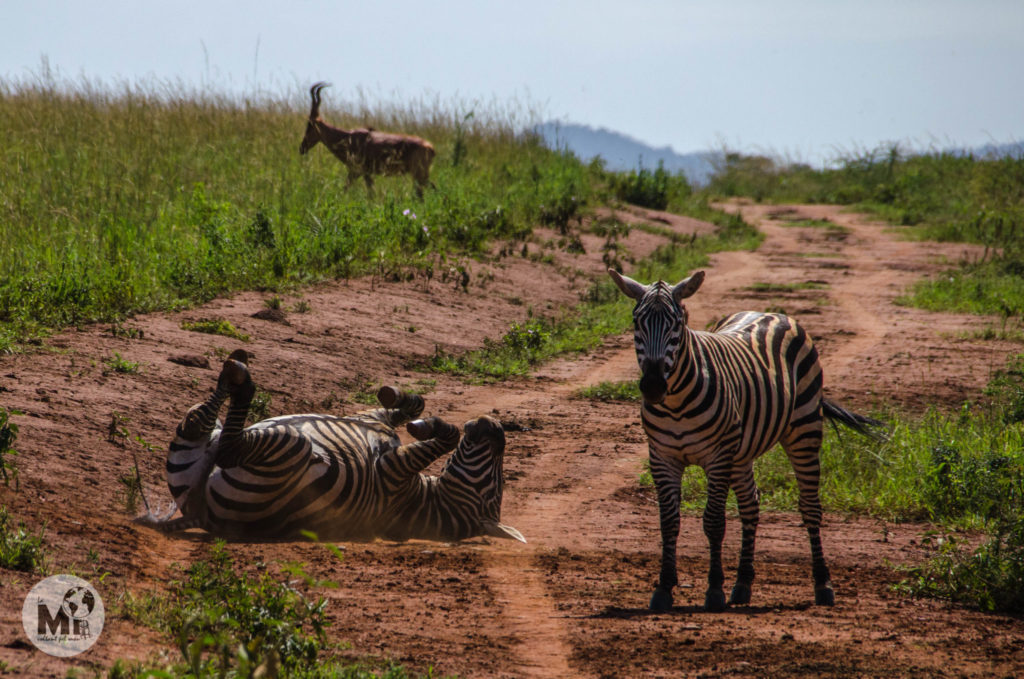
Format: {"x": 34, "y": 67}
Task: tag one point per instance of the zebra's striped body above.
{"x": 719, "y": 400}
{"x": 343, "y": 478}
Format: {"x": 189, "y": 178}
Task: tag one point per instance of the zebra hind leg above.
{"x": 807, "y": 464}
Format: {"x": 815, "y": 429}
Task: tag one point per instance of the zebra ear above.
{"x": 499, "y": 530}
{"x": 629, "y": 287}
{"x": 687, "y": 286}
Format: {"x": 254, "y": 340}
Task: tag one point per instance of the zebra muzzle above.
{"x": 653, "y": 385}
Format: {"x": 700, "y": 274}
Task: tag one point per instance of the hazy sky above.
{"x": 796, "y": 78}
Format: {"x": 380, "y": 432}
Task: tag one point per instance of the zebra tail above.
{"x": 866, "y": 426}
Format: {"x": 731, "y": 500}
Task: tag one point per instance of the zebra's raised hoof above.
{"x": 740, "y": 595}
{"x": 824, "y": 595}
{"x": 661, "y": 600}
{"x": 714, "y": 601}
{"x": 421, "y": 430}
{"x": 393, "y": 398}
{"x": 236, "y": 371}
{"x": 388, "y": 396}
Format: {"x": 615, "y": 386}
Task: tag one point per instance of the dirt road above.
{"x": 571, "y": 602}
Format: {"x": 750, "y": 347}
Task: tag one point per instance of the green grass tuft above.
{"x": 610, "y": 391}
{"x": 8, "y": 435}
{"x": 119, "y": 364}
{"x": 20, "y": 550}
{"x": 218, "y": 326}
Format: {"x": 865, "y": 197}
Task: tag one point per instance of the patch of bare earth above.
{"x": 571, "y": 602}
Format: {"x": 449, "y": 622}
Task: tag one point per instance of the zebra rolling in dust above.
{"x": 719, "y": 400}
{"x": 342, "y": 478}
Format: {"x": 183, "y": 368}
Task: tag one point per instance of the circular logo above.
{"x": 63, "y": 615}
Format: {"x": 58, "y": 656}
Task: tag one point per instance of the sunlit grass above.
{"x": 115, "y": 201}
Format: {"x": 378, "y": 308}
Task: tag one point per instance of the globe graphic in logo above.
{"x": 63, "y": 615}
{"x": 78, "y": 603}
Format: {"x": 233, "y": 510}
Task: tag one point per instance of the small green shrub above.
{"x": 990, "y": 577}
{"x": 230, "y": 623}
{"x": 8, "y": 435}
{"x": 131, "y": 490}
{"x": 653, "y": 190}
{"x": 259, "y": 407}
{"x": 523, "y": 346}
{"x": 218, "y": 326}
{"x": 119, "y": 364}
{"x": 610, "y": 391}
{"x": 20, "y": 550}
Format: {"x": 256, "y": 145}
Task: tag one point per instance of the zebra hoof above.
{"x": 824, "y": 595}
{"x": 661, "y": 600}
{"x": 388, "y": 396}
{"x": 714, "y": 601}
{"x": 740, "y": 595}
{"x": 240, "y": 355}
{"x": 235, "y": 372}
{"x": 421, "y": 430}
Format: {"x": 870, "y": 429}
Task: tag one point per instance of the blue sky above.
{"x": 800, "y": 79}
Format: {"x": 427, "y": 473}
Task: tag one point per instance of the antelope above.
{"x": 366, "y": 151}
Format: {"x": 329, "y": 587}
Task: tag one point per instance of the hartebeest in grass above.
{"x": 366, "y": 151}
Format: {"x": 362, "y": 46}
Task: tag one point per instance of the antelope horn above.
{"x": 314, "y": 92}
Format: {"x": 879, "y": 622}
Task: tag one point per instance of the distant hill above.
{"x": 623, "y": 153}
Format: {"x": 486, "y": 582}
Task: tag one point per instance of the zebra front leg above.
{"x": 714, "y": 530}
{"x": 667, "y": 475}
{"x": 435, "y": 438}
{"x": 748, "y": 498}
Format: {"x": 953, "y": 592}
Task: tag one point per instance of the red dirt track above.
{"x": 572, "y": 602}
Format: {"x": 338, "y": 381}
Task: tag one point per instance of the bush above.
{"x": 236, "y": 624}
{"x": 990, "y": 577}
{"x": 20, "y": 550}
{"x": 650, "y": 189}
{"x": 8, "y": 435}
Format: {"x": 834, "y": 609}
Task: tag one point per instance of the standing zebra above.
{"x": 719, "y": 400}
{"x": 343, "y": 478}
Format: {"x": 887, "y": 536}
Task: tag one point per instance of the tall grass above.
{"x": 950, "y": 469}
{"x": 115, "y": 201}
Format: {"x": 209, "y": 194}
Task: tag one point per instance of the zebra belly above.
{"x": 331, "y": 492}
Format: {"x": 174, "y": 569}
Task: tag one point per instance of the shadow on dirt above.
{"x": 613, "y": 612}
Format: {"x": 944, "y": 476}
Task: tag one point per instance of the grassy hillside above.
{"x": 938, "y": 196}
{"x": 116, "y": 202}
